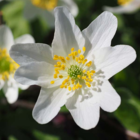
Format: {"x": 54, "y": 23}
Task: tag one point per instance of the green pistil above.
{"x": 4, "y": 65}
{"x": 74, "y": 71}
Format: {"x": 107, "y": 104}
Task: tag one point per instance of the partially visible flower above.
{"x": 44, "y": 8}
{"x": 126, "y": 6}
{"x": 8, "y": 65}
{"x": 75, "y": 71}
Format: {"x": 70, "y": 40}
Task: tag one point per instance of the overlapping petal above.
{"x": 67, "y": 34}
{"x": 71, "y": 6}
{"x": 111, "y": 60}
{"x": 27, "y": 53}
{"x": 48, "y": 104}
{"x": 35, "y": 73}
{"x": 25, "y": 39}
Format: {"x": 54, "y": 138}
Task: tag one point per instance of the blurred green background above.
{"x": 16, "y": 122}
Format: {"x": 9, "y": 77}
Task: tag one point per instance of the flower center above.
{"x": 45, "y": 4}
{"x": 7, "y": 65}
{"x": 75, "y": 70}
{"x": 124, "y": 2}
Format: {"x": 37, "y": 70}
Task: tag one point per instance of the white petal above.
{"x": 48, "y": 104}
{"x": 39, "y": 73}
{"x": 132, "y": 7}
{"x": 71, "y": 5}
{"x": 23, "y": 87}
{"x": 109, "y": 100}
{"x": 27, "y": 53}
{"x": 12, "y": 94}
{"x": 11, "y": 90}
{"x": 101, "y": 31}
{"x": 84, "y": 112}
{"x": 111, "y": 60}
{"x": 25, "y": 39}
{"x": 67, "y": 33}
{"x": 6, "y": 37}
{"x": 1, "y": 84}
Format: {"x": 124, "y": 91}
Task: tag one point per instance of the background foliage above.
{"x": 16, "y": 122}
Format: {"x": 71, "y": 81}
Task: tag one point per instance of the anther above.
{"x": 84, "y": 49}
{"x": 52, "y": 82}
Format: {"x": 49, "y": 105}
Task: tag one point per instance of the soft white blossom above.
{"x": 126, "y": 6}
{"x": 44, "y": 8}
{"x": 7, "y": 65}
{"x": 75, "y": 70}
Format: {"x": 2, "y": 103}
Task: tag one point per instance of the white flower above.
{"x": 7, "y": 65}
{"x": 44, "y": 8}
{"x": 75, "y": 71}
{"x": 126, "y": 6}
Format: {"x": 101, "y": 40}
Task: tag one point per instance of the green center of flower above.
{"x": 74, "y": 72}
{"x": 7, "y": 65}
{"x": 45, "y": 4}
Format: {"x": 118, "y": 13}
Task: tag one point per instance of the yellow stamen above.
{"x": 124, "y": 2}
{"x": 84, "y": 61}
{"x": 88, "y": 84}
{"x": 75, "y": 72}
{"x": 55, "y": 57}
{"x": 92, "y": 71}
{"x": 89, "y": 63}
{"x": 81, "y": 57}
{"x": 79, "y": 76}
{"x": 84, "y": 77}
{"x": 84, "y": 71}
{"x": 45, "y": 4}
{"x": 63, "y": 67}
{"x": 72, "y": 49}
{"x": 67, "y": 58}
{"x": 55, "y": 75}
{"x": 60, "y": 76}
{"x": 84, "y": 49}
{"x": 79, "y": 51}
{"x": 52, "y": 82}
{"x": 69, "y": 88}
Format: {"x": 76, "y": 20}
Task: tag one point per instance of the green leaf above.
{"x": 64, "y": 109}
{"x": 12, "y": 138}
{"x": 129, "y": 111}
{"x": 13, "y": 16}
{"x": 44, "y": 136}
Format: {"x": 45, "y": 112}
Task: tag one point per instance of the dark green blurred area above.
{"x": 16, "y": 122}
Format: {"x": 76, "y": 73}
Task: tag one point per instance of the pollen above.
{"x": 75, "y": 69}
